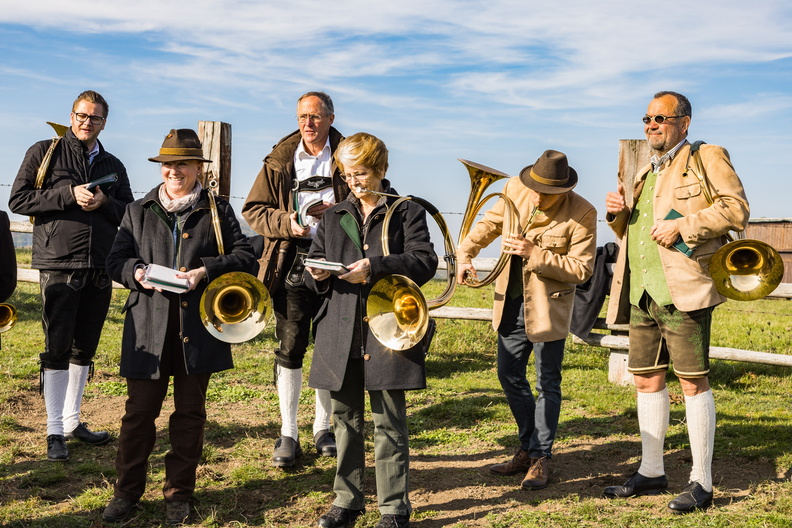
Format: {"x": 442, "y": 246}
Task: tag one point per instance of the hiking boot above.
{"x": 83, "y": 434}
{"x": 118, "y": 509}
{"x": 56, "y": 449}
{"x": 177, "y": 512}
{"x": 538, "y": 474}
{"x": 339, "y": 517}
{"x": 520, "y": 463}
{"x": 394, "y": 521}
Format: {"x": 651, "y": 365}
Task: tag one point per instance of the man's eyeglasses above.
{"x": 95, "y": 119}
{"x": 302, "y": 118}
{"x": 659, "y": 119}
{"x": 360, "y": 177}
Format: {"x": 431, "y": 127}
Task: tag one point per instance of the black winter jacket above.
{"x": 146, "y": 236}
{"x": 411, "y": 254}
{"x": 65, "y": 236}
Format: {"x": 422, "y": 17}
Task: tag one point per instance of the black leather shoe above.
{"x": 692, "y": 498}
{"x": 56, "y": 449}
{"x": 394, "y": 521}
{"x": 638, "y": 485}
{"x": 287, "y": 451}
{"x": 339, "y": 517}
{"x": 118, "y": 509}
{"x": 325, "y": 443}
{"x": 83, "y": 434}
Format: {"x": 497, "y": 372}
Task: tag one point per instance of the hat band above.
{"x": 181, "y": 152}
{"x": 545, "y": 181}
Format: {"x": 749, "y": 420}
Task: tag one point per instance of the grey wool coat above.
{"x": 147, "y": 235}
{"x": 411, "y": 254}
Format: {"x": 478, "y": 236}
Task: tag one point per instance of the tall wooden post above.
{"x": 633, "y": 155}
{"x": 216, "y": 140}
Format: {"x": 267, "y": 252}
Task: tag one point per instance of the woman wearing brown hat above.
{"x": 163, "y": 335}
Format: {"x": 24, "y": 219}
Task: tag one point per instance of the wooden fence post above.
{"x": 216, "y": 140}
{"x": 633, "y": 154}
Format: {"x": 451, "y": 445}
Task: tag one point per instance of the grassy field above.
{"x": 459, "y": 426}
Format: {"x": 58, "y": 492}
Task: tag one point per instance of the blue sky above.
{"x": 496, "y": 82}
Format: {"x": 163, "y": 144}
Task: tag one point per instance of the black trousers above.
{"x": 74, "y": 307}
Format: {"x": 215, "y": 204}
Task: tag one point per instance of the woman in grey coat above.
{"x": 348, "y": 360}
{"x": 163, "y": 335}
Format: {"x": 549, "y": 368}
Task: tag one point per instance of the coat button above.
{"x": 365, "y": 319}
{"x": 186, "y": 339}
{"x": 366, "y": 357}
{"x": 183, "y": 269}
{"x": 185, "y": 235}
{"x": 184, "y": 304}
{"x": 365, "y": 246}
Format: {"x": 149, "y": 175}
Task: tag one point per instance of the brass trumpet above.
{"x": 746, "y": 269}
{"x": 397, "y": 310}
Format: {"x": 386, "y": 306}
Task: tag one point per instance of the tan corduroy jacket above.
{"x": 702, "y": 227}
{"x": 565, "y": 238}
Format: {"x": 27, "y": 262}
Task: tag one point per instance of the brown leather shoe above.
{"x": 520, "y": 463}
{"x": 538, "y": 474}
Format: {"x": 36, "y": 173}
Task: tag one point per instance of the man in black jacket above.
{"x": 75, "y": 224}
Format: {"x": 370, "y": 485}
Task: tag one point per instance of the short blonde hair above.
{"x": 363, "y": 149}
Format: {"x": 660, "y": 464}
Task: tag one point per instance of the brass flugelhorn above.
{"x": 397, "y": 310}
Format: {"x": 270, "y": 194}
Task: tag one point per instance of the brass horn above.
{"x": 746, "y": 269}
{"x": 397, "y": 310}
{"x": 8, "y": 317}
{"x": 235, "y": 307}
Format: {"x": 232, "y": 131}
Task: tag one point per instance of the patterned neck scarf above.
{"x": 177, "y": 205}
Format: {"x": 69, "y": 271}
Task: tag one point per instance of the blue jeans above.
{"x": 537, "y": 420}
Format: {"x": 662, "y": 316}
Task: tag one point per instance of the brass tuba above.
{"x": 397, "y": 311}
{"x": 236, "y": 306}
{"x": 8, "y": 317}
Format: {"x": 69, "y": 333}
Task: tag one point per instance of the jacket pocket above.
{"x": 556, "y": 243}
{"x": 562, "y": 293}
{"x": 687, "y": 191}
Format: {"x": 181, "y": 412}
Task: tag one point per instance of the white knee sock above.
{"x": 289, "y": 385}
{"x": 323, "y": 411}
{"x": 700, "y": 413}
{"x": 78, "y": 376}
{"x": 56, "y": 382}
{"x": 654, "y": 410}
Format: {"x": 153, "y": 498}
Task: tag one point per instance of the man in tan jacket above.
{"x": 551, "y": 251}
{"x": 666, "y": 294}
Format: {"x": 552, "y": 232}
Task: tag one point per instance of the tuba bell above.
{"x": 397, "y": 311}
{"x": 8, "y": 317}
{"x": 235, "y": 307}
{"x": 746, "y": 269}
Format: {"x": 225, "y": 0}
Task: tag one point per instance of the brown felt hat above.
{"x": 179, "y": 145}
{"x": 551, "y": 174}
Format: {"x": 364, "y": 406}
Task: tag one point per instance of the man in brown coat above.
{"x": 298, "y": 172}
{"x": 552, "y": 251}
{"x": 667, "y": 295}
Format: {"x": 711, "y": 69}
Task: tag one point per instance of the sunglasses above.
{"x": 659, "y": 119}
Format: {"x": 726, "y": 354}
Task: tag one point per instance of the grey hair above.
{"x": 327, "y": 103}
{"x": 683, "y": 107}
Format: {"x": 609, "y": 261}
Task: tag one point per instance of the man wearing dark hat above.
{"x": 299, "y": 172}
{"x": 551, "y": 250}
{"x": 668, "y": 296}
{"x": 75, "y": 223}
